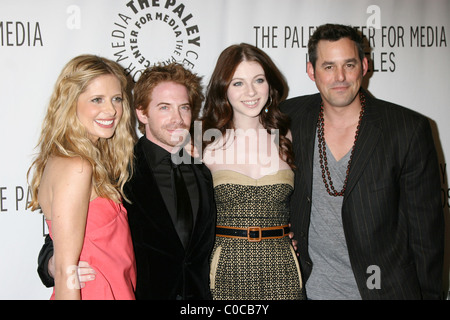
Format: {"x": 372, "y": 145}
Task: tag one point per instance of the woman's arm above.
{"x": 71, "y": 193}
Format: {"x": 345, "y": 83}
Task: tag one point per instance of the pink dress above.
{"x": 109, "y": 251}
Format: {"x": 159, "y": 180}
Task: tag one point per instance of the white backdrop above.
{"x": 409, "y": 65}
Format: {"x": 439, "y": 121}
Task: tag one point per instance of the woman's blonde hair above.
{"x": 63, "y": 135}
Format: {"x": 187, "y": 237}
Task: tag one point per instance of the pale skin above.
{"x": 338, "y": 75}
{"x": 66, "y": 188}
{"x": 248, "y": 94}
{"x": 168, "y": 116}
{"x": 64, "y": 196}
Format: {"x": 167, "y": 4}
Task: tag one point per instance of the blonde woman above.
{"x": 86, "y": 149}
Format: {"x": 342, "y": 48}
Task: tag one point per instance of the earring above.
{"x": 268, "y": 105}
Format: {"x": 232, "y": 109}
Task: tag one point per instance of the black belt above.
{"x": 253, "y": 234}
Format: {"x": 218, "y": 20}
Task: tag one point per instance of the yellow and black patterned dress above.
{"x": 243, "y": 269}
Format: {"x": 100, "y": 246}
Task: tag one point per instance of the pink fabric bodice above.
{"x": 109, "y": 251}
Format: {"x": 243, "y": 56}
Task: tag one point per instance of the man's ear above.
{"x": 141, "y": 115}
{"x": 310, "y": 71}
{"x": 365, "y": 66}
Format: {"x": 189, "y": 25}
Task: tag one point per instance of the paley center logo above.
{"x": 149, "y": 32}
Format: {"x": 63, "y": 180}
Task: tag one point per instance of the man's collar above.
{"x": 155, "y": 153}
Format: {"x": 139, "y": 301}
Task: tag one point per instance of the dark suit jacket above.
{"x": 165, "y": 270}
{"x": 392, "y": 213}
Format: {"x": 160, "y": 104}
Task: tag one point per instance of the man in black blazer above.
{"x": 172, "y": 260}
{"x": 366, "y": 209}
{"x": 165, "y": 98}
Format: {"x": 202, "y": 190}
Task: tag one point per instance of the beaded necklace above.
{"x": 323, "y": 153}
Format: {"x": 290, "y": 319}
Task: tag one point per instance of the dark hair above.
{"x": 334, "y": 32}
{"x": 173, "y": 72}
{"x": 218, "y": 113}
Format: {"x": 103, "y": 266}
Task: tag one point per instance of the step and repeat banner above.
{"x": 409, "y": 65}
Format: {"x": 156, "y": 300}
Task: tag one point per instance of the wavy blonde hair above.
{"x": 63, "y": 135}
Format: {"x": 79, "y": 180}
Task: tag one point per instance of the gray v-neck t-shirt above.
{"x": 332, "y": 276}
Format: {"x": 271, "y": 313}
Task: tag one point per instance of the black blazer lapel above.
{"x": 150, "y": 195}
{"x": 309, "y": 141}
{"x": 304, "y": 125}
{"x": 369, "y": 136}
